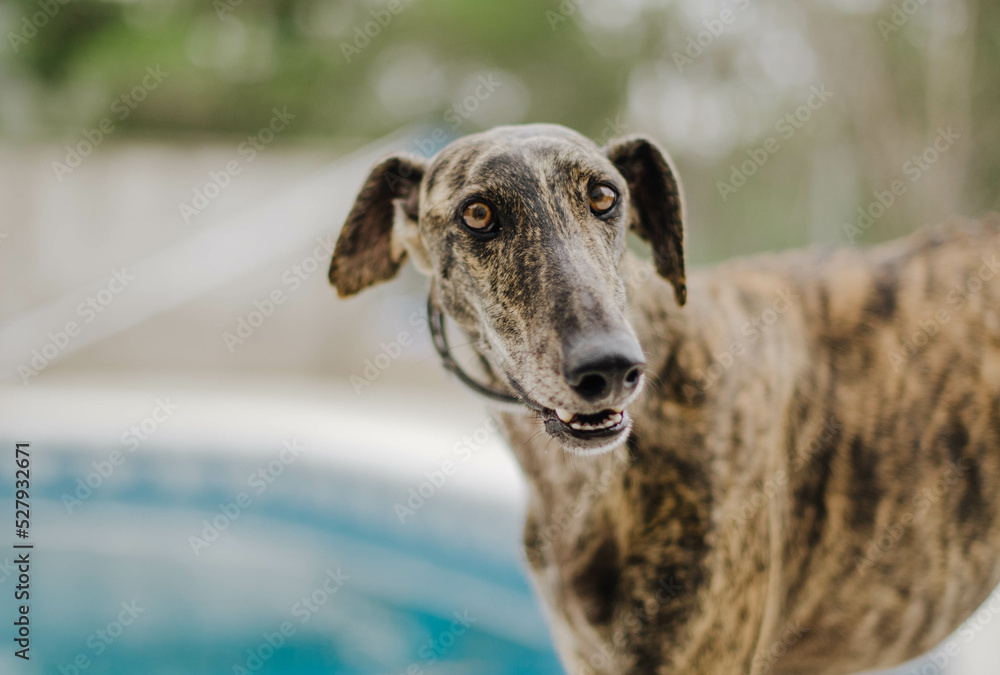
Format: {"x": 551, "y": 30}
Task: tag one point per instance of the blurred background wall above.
{"x": 211, "y": 149}
{"x": 115, "y": 116}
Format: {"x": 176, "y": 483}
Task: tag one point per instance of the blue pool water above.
{"x": 313, "y": 575}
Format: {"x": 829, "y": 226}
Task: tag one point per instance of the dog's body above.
{"x": 807, "y": 504}
{"x": 810, "y": 483}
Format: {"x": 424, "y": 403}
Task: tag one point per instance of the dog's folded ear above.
{"x": 655, "y": 197}
{"x": 366, "y": 253}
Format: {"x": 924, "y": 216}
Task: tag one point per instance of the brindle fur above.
{"x": 807, "y": 504}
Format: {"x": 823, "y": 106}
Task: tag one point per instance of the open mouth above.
{"x": 588, "y": 433}
{"x": 606, "y": 420}
{"x": 582, "y": 433}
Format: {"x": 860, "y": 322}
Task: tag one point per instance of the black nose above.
{"x": 605, "y": 367}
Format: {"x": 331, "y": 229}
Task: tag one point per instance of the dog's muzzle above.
{"x": 597, "y": 375}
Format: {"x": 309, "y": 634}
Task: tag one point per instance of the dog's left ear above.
{"x": 366, "y": 252}
{"x": 656, "y": 210}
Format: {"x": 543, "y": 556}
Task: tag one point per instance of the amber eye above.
{"x": 477, "y": 216}
{"x": 602, "y": 199}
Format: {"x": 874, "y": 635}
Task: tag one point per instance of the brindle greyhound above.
{"x": 810, "y": 479}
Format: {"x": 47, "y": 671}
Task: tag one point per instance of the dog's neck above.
{"x": 586, "y": 514}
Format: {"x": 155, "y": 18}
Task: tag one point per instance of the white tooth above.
{"x": 616, "y": 419}
{"x": 564, "y": 415}
{"x": 617, "y": 410}
{"x": 577, "y": 426}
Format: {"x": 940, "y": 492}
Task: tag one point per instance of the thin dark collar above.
{"x": 435, "y": 318}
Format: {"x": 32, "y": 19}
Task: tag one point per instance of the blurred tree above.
{"x": 713, "y": 81}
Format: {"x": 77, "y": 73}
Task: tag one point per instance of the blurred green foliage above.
{"x": 232, "y": 61}
{"x": 708, "y": 79}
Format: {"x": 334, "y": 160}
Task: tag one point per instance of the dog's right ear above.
{"x": 366, "y": 253}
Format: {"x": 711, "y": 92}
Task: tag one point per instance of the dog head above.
{"x": 522, "y": 231}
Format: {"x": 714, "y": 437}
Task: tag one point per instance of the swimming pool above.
{"x": 267, "y": 554}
